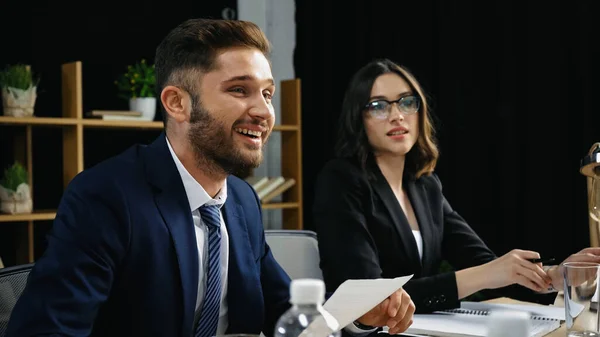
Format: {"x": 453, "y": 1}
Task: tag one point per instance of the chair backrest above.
{"x": 12, "y": 283}
{"x": 297, "y": 252}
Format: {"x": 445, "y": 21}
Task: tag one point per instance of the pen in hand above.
{"x": 542, "y": 261}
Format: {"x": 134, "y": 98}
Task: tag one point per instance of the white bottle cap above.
{"x": 307, "y": 291}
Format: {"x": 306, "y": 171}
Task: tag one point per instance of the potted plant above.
{"x": 138, "y": 85}
{"x": 15, "y": 195}
{"x": 19, "y": 90}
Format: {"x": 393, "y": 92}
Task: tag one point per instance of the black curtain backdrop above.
{"x": 106, "y": 37}
{"x": 514, "y": 91}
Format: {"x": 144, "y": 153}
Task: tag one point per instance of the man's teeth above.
{"x": 248, "y": 132}
{"x": 395, "y": 133}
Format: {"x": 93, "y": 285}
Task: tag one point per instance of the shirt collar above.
{"x": 196, "y": 194}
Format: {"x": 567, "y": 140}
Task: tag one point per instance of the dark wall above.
{"x": 514, "y": 92}
{"x": 106, "y": 38}
{"x": 512, "y": 85}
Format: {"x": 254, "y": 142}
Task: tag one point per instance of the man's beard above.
{"x": 214, "y": 148}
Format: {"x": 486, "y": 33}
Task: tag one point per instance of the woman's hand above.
{"x": 591, "y": 254}
{"x": 512, "y": 268}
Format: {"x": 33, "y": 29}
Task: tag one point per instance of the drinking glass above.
{"x": 580, "y": 284}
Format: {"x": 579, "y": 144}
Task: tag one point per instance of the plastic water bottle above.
{"x": 306, "y": 317}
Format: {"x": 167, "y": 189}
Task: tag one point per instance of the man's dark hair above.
{"x": 191, "y": 49}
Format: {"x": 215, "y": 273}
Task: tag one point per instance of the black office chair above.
{"x": 12, "y": 283}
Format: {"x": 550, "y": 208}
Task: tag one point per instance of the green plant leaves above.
{"x": 138, "y": 81}
{"x": 17, "y": 76}
{"x": 14, "y": 176}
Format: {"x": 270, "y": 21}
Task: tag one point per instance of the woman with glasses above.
{"x": 380, "y": 211}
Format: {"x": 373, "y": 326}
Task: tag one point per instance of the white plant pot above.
{"x": 18, "y": 102}
{"x": 145, "y": 105}
{"x": 16, "y": 202}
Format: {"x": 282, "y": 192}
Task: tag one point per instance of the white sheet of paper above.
{"x": 355, "y": 298}
{"x": 352, "y": 299}
{"x": 594, "y": 301}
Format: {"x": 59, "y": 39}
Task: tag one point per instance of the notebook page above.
{"x": 541, "y": 328}
{"x": 462, "y": 325}
{"x": 449, "y": 325}
{"x": 554, "y": 312}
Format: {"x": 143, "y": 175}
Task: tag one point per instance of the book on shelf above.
{"x": 471, "y": 319}
{"x": 269, "y": 186}
{"x": 100, "y": 113}
{"x": 117, "y": 115}
{"x": 279, "y": 190}
{"x": 257, "y": 182}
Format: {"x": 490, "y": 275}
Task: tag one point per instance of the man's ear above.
{"x": 176, "y": 102}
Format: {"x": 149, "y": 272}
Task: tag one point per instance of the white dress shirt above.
{"x": 197, "y": 197}
{"x": 419, "y": 240}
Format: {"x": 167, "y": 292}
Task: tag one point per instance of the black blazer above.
{"x": 364, "y": 234}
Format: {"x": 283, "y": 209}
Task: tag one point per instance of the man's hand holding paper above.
{"x": 396, "y": 312}
{"x": 377, "y": 303}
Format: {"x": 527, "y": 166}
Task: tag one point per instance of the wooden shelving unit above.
{"x": 291, "y": 153}
{"x": 73, "y": 124}
{"x": 37, "y": 215}
{"x": 98, "y": 123}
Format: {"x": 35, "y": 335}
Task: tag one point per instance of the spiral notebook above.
{"x": 470, "y": 320}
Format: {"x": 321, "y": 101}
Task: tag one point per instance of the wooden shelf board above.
{"x": 36, "y": 215}
{"x": 286, "y": 128}
{"x": 49, "y": 215}
{"x": 100, "y": 123}
{"x": 280, "y": 205}
{"x": 42, "y": 121}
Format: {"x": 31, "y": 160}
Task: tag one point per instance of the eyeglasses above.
{"x": 382, "y": 108}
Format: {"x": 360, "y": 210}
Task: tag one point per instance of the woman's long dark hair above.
{"x": 352, "y": 141}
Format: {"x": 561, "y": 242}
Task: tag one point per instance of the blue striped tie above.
{"x": 209, "y": 314}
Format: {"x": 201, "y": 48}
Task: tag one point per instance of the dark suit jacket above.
{"x": 122, "y": 258}
{"x": 364, "y": 234}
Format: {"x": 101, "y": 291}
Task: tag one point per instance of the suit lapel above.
{"x": 381, "y": 186}
{"x": 171, "y": 201}
{"x": 418, "y": 200}
{"x": 241, "y": 286}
